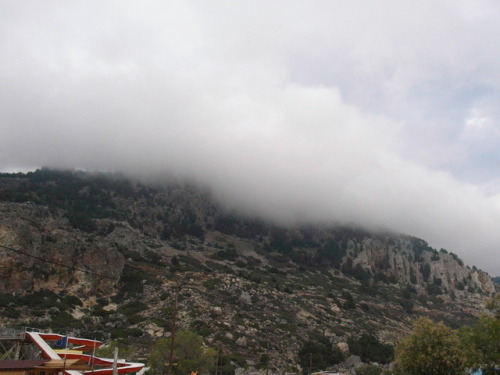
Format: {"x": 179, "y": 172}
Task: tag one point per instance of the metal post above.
{"x": 115, "y": 362}
{"x": 17, "y": 351}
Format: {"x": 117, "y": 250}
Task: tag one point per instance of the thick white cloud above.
{"x": 376, "y": 114}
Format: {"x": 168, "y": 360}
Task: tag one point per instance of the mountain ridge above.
{"x": 241, "y": 277}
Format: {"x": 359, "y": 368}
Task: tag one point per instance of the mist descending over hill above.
{"x": 383, "y": 115}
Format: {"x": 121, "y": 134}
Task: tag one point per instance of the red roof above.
{"x": 10, "y": 365}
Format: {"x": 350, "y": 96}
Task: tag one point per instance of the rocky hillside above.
{"x": 104, "y": 256}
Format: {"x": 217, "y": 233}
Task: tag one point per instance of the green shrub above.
{"x": 426, "y": 271}
{"x": 422, "y": 298}
{"x": 320, "y": 352}
{"x": 73, "y": 301}
{"x": 432, "y": 348}
{"x": 5, "y": 299}
{"x": 64, "y": 321}
{"x": 81, "y": 221}
{"x": 201, "y": 328}
{"x": 126, "y": 332}
{"x": 187, "y": 260}
{"x": 370, "y": 349}
{"x": 212, "y": 283}
{"x": 406, "y": 304}
{"x": 241, "y": 264}
{"x": 134, "y": 319}
{"x": 99, "y": 311}
{"x": 228, "y": 254}
{"x": 349, "y": 300}
{"x": 44, "y": 299}
{"x": 433, "y": 290}
{"x": 413, "y": 277}
{"x": 132, "y": 308}
{"x": 11, "y": 313}
{"x": 368, "y": 370}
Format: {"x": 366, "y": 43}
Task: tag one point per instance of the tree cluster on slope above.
{"x": 434, "y": 348}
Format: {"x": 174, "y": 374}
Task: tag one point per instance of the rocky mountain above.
{"x": 105, "y": 256}
{"x": 496, "y": 281}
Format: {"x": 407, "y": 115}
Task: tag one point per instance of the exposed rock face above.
{"x": 131, "y": 214}
{"x": 72, "y": 262}
{"x": 344, "y": 348}
{"x": 403, "y": 260}
{"x": 353, "y": 361}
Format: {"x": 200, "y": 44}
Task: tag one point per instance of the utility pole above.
{"x": 217, "y": 361}
{"x": 115, "y": 362}
{"x": 172, "y": 332}
{"x": 267, "y": 354}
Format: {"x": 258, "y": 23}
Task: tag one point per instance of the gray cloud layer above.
{"x": 385, "y": 116}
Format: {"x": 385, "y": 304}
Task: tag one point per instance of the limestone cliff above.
{"x": 410, "y": 260}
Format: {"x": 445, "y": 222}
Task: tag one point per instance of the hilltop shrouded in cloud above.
{"x": 380, "y": 114}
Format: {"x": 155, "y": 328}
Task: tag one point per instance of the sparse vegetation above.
{"x": 242, "y": 279}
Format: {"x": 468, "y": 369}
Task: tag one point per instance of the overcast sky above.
{"x": 385, "y": 114}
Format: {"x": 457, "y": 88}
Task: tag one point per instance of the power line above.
{"x": 56, "y": 263}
